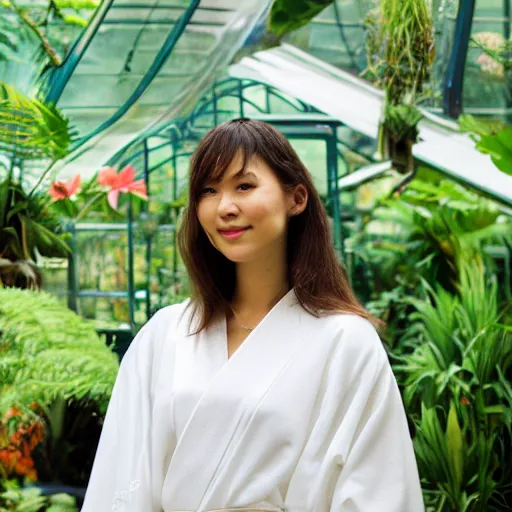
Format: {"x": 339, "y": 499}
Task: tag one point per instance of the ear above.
{"x": 298, "y": 200}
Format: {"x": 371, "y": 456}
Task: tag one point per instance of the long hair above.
{"x": 320, "y": 283}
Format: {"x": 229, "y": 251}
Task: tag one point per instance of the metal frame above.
{"x": 60, "y": 76}
{"x": 454, "y": 80}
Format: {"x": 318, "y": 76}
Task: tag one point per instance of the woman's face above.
{"x": 252, "y": 200}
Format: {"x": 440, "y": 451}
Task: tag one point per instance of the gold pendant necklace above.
{"x": 245, "y": 326}
{"x": 240, "y": 324}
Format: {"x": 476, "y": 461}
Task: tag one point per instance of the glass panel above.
{"x": 314, "y": 155}
{"x": 486, "y": 88}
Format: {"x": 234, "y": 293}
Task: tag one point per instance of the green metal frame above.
{"x": 60, "y": 76}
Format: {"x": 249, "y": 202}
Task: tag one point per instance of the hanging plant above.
{"x": 400, "y": 51}
{"x": 400, "y": 133}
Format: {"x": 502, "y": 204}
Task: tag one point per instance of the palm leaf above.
{"x": 30, "y": 129}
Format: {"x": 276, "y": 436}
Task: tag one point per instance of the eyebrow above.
{"x": 242, "y": 173}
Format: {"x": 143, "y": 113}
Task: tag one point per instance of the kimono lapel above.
{"x": 228, "y": 401}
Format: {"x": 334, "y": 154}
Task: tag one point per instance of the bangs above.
{"x": 218, "y": 149}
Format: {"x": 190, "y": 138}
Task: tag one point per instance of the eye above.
{"x": 207, "y": 191}
{"x": 245, "y": 186}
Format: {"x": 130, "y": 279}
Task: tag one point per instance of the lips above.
{"x": 232, "y": 231}
{"x": 233, "y": 234}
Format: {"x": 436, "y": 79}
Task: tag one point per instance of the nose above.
{"x": 226, "y": 207}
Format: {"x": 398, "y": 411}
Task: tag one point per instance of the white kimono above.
{"x": 305, "y": 416}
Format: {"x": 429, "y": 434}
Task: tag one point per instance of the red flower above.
{"x": 12, "y": 412}
{"x": 123, "y": 182}
{"x": 16, "y": 451}
{"x": 63, "y": 189}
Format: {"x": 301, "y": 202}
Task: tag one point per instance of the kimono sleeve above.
{"x": 360, "y": 455}
{"x": 122, "y": 475}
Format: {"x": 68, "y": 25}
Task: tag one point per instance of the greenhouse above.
{"x": 401, "y": 111}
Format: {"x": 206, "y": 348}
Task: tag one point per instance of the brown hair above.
{"x": 320, "y": 283}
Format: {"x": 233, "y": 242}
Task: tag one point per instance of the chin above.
{"x": 240, "y": 256}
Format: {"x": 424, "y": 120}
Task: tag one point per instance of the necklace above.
{"x": 240, "y": 323}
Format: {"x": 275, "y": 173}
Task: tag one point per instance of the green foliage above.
{"x": 32, "y": 500}
{"x": 27, "y": 228}
{"x": 448, "y": 334}
{"x": 433, "y": 224}
{"x": 455, "y": 368}
{"x": 400, "y": 48}
{"x": 492, "y": 138}
{"x": 9, "y": 41}
{"x": 49, "y": 353}
{"x": 39, "y": 19}
{"x": 30, "y": 129}
{"x": 401, "y": 122}
{"x": 288, "y": 15}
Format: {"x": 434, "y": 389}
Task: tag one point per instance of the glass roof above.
{"x": 141, "y": 63}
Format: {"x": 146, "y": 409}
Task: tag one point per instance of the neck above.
{"x": 260, "y": 285}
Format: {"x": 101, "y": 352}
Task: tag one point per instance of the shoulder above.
{"x": 153, "y": 346}
{"x": 356, "y": 341}
{"x": 158, "y": 330}
{"x": 167, "y": 317}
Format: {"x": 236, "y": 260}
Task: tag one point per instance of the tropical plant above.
{"x": 455, "y": 369}
{"x": 418, "y": 237}
{"x": 400, "y": 50}
{"x": 286, "y": 16}
{"x": 27, "y": 229}
{"x": 70, "y": 362}
{"x": 29, "y": 499}
{"x": 31, "y": 130}
{"x": 31, "y": 224}
{"x": 493, "y": 138}
{"x": 432, "y": 223}
{"x": 37, "y": 19}
{"x": 55, "y": 370}
{"x": 19, "y": 437}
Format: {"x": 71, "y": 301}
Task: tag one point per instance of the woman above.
{"x": 269, "y": 389}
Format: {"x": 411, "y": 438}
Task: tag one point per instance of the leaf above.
{"x": 48, "y": 243}
{"x": 30, "y": 128}
{"x": 4, "y": 200}
{"x": 10, "y": 243}
{"x": 288, "y": 15}
{"x": 19, "y": 207}
{"x": 454, "y": 446}
{"x": 65, "y": 208}
{"x": 72, "y": 19}
{"x": 469, "y": 123}
{"x": 499, "y": 147}
{"x": 49, "y": 362}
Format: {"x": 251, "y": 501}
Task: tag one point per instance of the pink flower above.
{"x": 123, "y": 182}
{"x": 63, "y": 189}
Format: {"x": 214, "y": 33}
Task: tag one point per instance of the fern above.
{"x": 49, "y": 353}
